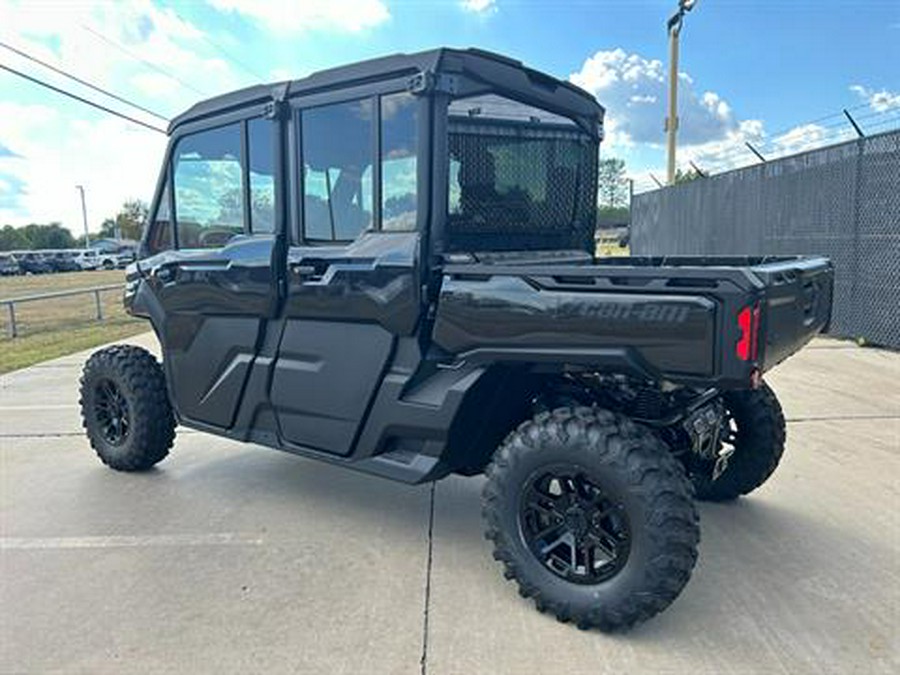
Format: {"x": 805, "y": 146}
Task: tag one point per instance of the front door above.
{"x": 353, "y": 284}
{"x": 213, "y": 265}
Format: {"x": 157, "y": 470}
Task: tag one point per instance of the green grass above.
{"x": 32, "y": 284}
{"x": 51, "y": 328}
{"x": 608, "y": 249}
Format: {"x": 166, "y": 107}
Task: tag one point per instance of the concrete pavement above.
{"x": 237, "y": 558}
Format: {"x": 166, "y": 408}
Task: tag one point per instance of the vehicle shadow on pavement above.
{"x": 758, "y": 560}
{"x": 272, "y": 482}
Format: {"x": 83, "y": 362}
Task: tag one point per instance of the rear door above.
{"x": 353, "y": 285}
{"x": 213, "y": 263}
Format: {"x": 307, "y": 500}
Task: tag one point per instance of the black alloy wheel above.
{"x": 575, "y": 529}
{"x": 113, "y": 414}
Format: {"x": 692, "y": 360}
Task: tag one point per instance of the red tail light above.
{"x": 748, "y": 322}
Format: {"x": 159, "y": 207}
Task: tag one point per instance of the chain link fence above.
{"x": 842, "y": 201}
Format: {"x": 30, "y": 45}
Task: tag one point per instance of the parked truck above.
{"x": 390, "y": 267}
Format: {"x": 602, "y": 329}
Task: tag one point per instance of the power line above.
{"x": 81, "y": 99}
{"x": 147, "y": 63}
{"x": 62, "y": 72}
{"x": 236, "y": 61}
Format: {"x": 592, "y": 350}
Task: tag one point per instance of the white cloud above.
{"x": 800, "y": 138}
{"x": 113, "y": 159}
{"x": 480, "y": 6}
{"x": 61, "y": 143}
{"x": 879, "y": 101}
{"x": 286, "y": 16}
{"x": 633, "y": 89}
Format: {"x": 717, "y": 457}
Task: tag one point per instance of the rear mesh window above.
{"x": 520, "y": 186}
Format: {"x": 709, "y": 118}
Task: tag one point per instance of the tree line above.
{"x": 613, "y": 192}
{"x": 127, "y": 224}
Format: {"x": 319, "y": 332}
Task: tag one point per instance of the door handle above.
{"x": 164, "y": 273}
{"x": 309, "y": 271}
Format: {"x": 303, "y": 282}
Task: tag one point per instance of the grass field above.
{"x": 51, "y": 328}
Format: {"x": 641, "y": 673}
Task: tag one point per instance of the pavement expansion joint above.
{"x": 424, "y": 660}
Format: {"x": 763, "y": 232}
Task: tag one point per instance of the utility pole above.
{"x": 674, "y": 25}
{"x": 87, "y": 237}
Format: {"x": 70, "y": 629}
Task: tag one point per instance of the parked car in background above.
{"x": 62, "y": 261}
{"x": 125, "y": 257}
{"x": 86, "y": 259}
{"x": 32, "y": 263}
{"x": 108, "y": 261}
{"x": 8, "y": 265}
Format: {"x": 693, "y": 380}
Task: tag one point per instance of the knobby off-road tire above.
{"x": 638, "y": 483}
{"x": 125, "y": 408}
{"x": 758, "y": 441}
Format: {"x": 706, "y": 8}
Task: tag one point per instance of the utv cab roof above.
{"x": 458, "y": 72}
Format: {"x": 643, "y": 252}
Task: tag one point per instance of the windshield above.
{"x": 519, "y": 185}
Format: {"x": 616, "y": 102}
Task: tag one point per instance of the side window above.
{"x": 160, "y": 238}
{"x": 338, "y": 145}
{"x": 209, "y": 195}
{"x": 398, "y": 161}
{"x": 262, "y": 176}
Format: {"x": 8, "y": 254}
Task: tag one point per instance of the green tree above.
{"x": 52, "y": 235}
{"x": 611, "y": 185}
{"x": 13, "y": 239}
{"x": 128, "y": 223}
{"x": 107, "y": 229}
{"x": 131, "y": 218}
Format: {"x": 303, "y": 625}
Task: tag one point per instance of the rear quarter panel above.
{"x": 671, "y": 333}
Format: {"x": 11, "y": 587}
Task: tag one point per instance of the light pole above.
{"x": 674, "y": 24}
{"x": 87, "y": 237}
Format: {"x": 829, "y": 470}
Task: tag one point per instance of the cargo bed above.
{"x": 711, "y": 320}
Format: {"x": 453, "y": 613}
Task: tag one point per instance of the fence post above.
{"x": 99, "y": 306}
{"x": 12, "y": 319}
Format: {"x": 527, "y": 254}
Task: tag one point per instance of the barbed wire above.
{"x": 801, "y": 138}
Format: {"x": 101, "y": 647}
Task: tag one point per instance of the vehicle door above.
{"x": 353, "y": 285}
{"x": 211, "y": 260}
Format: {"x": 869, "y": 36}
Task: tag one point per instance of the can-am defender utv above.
{"x": 390, "y": 266}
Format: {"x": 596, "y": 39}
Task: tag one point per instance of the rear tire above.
{"x": 628, "y": 530}
{"x": 758, "y": 447}
{"x": 125, "y": 408}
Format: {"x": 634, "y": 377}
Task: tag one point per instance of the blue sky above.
{"x": 775, "y": 73}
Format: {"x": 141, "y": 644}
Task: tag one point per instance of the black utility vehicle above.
{"x": 390, "y": 267}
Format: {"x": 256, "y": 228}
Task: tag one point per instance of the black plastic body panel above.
{"x": 324, "y": 377}
{"x": 373, "y": 279}
{"x": 662, "y": 319}
{"x": 209, "y": 308}
{"x": 672, "y": 333}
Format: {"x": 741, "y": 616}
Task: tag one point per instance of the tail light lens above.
{"x": 747, "y": 346}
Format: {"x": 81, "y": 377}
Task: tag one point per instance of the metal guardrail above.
{"x": 12, "y": 302}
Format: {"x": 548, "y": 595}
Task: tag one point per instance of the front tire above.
{"x": 758, "y": 442}
{"x": 125, "y": 408}
{"x": 592, "y": 517}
